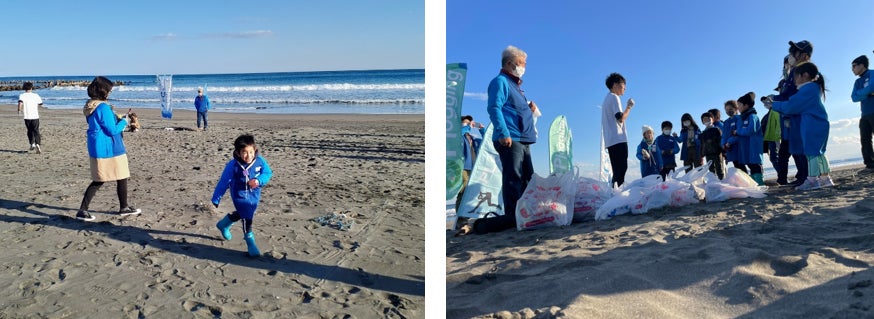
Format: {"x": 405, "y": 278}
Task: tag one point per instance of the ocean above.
{"x": 349, "y": 92}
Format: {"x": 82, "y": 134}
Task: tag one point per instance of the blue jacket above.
{"x": 790, "y": 129}
{"x": 862, "y": 93}
{"x": 467, "y": 148}
{"x": 750, "y": 138}
{"x": 807, "y": 104}
{"x": 730, "y": 126}
{"x": 653, "y": 165}
{"x": 104, "y": 133}
{"x": 202, "y": 104}
{"x": 509, "y": 111}
{"x": 668, "y": 144}
{"x": 684, "y": 134}
{"x": 233, "y": 176}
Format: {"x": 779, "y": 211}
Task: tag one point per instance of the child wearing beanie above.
{"x": 649, "y": 154}
{"x": 750, "y": 137}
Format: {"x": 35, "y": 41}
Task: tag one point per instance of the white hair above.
{"x": 511, "y": 53}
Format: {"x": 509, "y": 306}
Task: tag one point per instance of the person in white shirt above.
{"x": 613, "y": 125}
{"x": 28, "y": 106}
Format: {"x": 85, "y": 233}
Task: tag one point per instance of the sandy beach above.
{"x": 789, "y": 255}
{"x": 170, "y": 261}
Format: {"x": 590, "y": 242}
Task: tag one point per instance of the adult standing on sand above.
{"x": 862, "y": 91}
{"x": 613, "y": 125}
{"x": 201, "y": 103}
{"x": 790, "y": 144}
{"x": 512, "y": 116}
{"x": 105, "y": 148}
{"x": 28, "y": 107}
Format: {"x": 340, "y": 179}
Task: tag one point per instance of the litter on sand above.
{"x": 336, "y": 221}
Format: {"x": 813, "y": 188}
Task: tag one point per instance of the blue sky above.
{"x": 180, "y": 37}
{"x": 677, "y": 56}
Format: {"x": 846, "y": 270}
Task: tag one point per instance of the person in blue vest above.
{"x": 862, "y": 92}
{"x": 245, "y": 175}
{"x": 202, "y": 105}
{"x": 512, "y": 116}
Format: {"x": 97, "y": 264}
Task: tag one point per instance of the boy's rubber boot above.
{"x": 250, "y": 242}
{"x": 224, "y": 226}
{"x": 758, "y": 178}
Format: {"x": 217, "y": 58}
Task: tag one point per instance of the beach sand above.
{"x": 789, "y": 255}
{"x": 170, "y": 262}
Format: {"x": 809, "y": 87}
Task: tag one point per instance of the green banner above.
{"x": 560, "y": 150}
{"x": 455, "y": 76}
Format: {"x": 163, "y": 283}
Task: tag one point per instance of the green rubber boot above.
{"x": 224, "y": 226}
{"x": 759, "y": 179}
{"x": 250, "y": 242}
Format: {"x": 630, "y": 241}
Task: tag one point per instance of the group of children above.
{"x": 741, "y": 138}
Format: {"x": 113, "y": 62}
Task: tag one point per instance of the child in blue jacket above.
{"x": 729, "y": 141}
{"x": 649, "y": 154}
{"x": 245, "y": 174}
{"x": 750, "y": 137}
{"x": 807, "y": 104}
{"x": 669, "y": 147}
{"x": 691, "y": 153}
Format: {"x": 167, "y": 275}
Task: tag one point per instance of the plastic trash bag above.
{"x": 736, "y": 177}
{"x": 718, "y": 192}
{"x": 547, "y": 201}
{"x": 591, "y": 194}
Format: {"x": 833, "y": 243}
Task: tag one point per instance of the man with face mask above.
{"x": 512, "y": 117}
{"x": 790, "y": 135}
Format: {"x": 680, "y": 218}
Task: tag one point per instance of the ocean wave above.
{"x": 266, "y": 88}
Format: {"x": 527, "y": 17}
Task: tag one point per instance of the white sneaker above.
{"x": 38, "y": 149}
{"x": 809, "y": 183}
{"x": 826, "y": 181}
{"x": 32, "y": 146}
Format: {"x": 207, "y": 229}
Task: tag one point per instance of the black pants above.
{"x": 516, "y": 171}
{"x": 665, "y": 170}
{"x": 866, "y": 129}
{"x": 247, "y": 222}
{"x": 121, "y": 190}
{"x": 740, "y": 167}
{"x": 800, "y": 160}
{"x": 618, "y": 162}
{"x": 716, "y": 166}
{"x": 754, "y": 168}
{"x": 33, "y": 136}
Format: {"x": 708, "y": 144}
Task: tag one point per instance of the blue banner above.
{"x": 165, "y": 84}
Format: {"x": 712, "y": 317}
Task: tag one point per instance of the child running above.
{"x": 808, "y": 103}
{"x": 245, "y": 174}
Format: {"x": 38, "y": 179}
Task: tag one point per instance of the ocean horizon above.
{"x": 344, "y": 92}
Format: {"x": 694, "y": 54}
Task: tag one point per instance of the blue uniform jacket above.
{"x": 730, "y": 126}
{"x": 790, "y": 125}
{"x": 201, "y": 104}
{"x": 509, "y": 111}
{"x": 104, "y": 133}
{"x": 750, "y": 138}
{"x": 807, "y": 104}
{"x": 236, "y": 176}
{"x": 862, "y": 93}
{"x": 684, "y": 137}
{"x": 653, "y": 165}
{"x": 668, "y": 143}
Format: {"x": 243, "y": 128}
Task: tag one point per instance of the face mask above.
{"x": 792, "y": 60}
{"x": 708, "y": 123}
{"x": 519, "y": 71}
{"x": 666, "y": 132}
{"x": 686, "y": 123}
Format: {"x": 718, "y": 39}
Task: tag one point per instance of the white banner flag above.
{"x": 165, "y": 83}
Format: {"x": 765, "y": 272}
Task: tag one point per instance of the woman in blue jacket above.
{"x": 749, "y": 137}
{"x": 105, "y": 148}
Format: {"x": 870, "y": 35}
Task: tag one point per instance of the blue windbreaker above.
{"x": 862, "y": 93}
{"x": 236, "y": 176}
{"x": 750, "y": 138}
{"x": 653, "y": 165}
{"x": 202, "y": 104}
{"x": 104, "y": 133}
{"x": 730, "y": 126}
{"x": 807, "y": 105}
{"x": 509, "y": 111}
{"x": 669, "y": 143}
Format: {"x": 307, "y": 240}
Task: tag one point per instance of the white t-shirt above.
{"x": 31, "y": 103}
{"x": 614, "y": 132}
